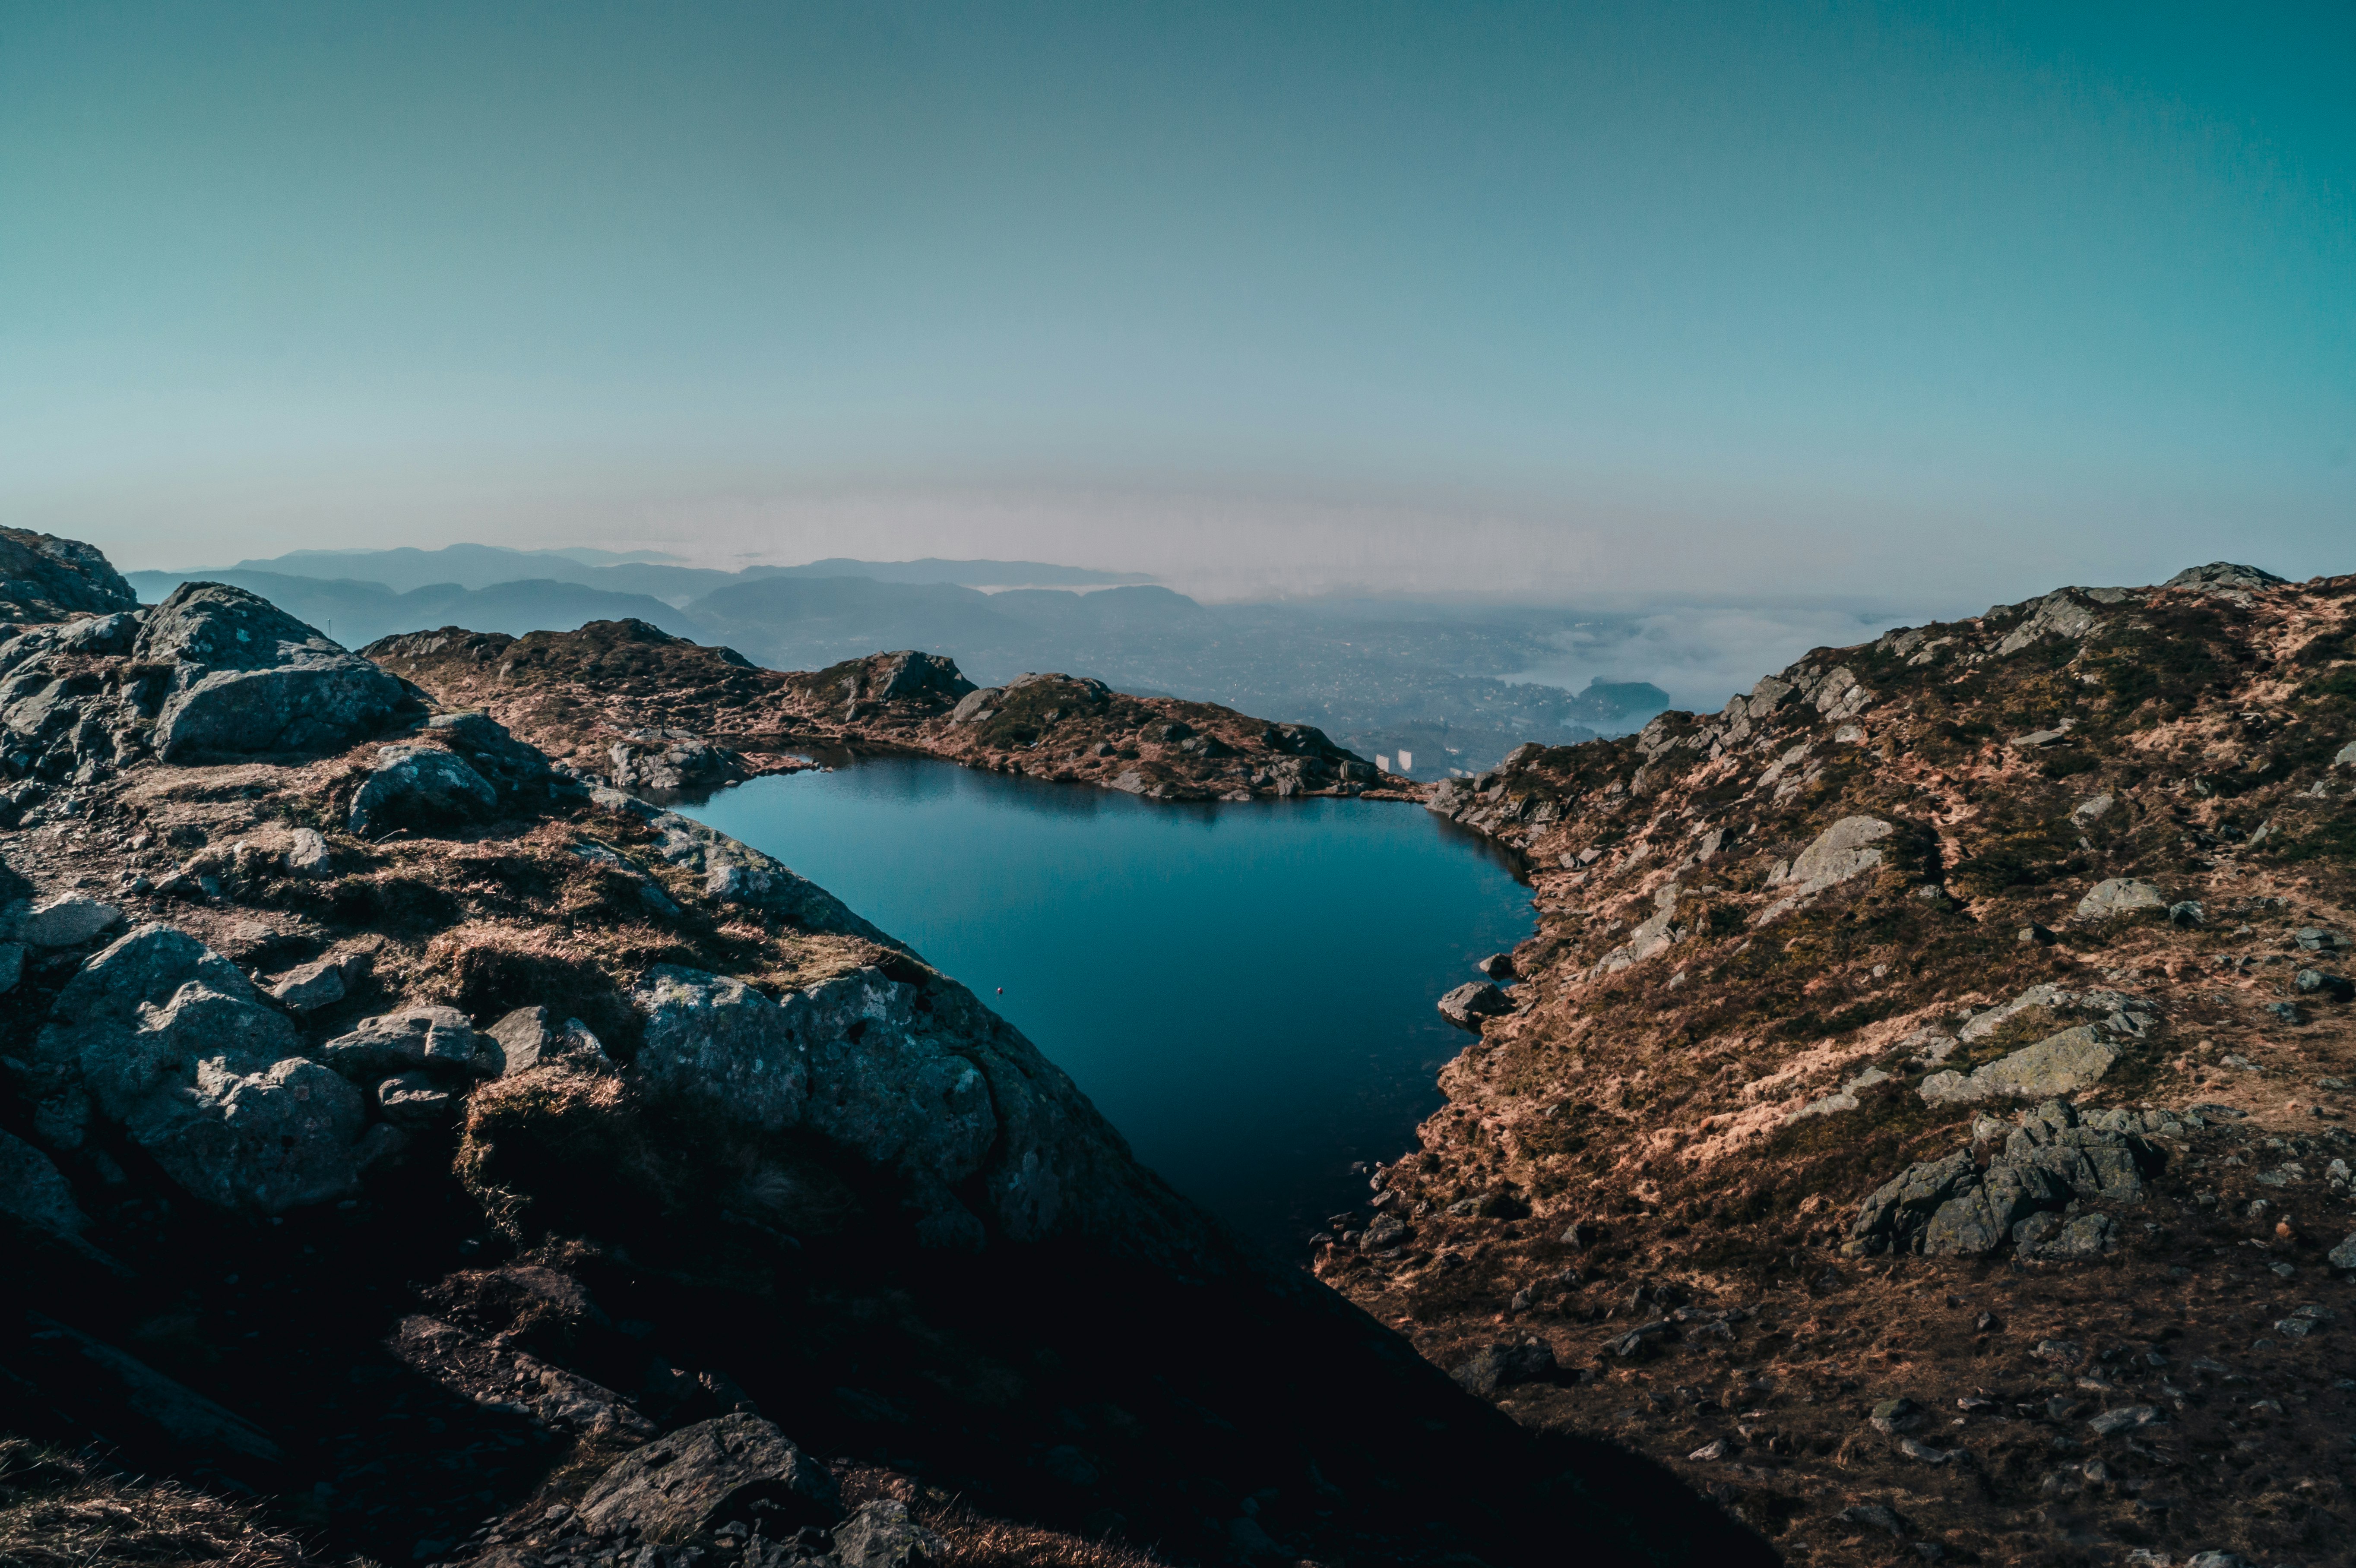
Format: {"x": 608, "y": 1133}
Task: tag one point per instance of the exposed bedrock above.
{"x": 247, "y": 678}
{"x": 1956, "y": 1206}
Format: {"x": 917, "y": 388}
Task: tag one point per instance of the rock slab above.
{"x": 737, "y": 1468}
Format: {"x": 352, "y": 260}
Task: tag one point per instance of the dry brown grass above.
{"x": 978, "y": 1541}
{"x": 548, "y": 1120}
{"x": 60, "y": 1510}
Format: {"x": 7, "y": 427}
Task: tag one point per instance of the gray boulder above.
{"x": 533, "y": 1036}
{"x": 324, "y": 982}
{"x": 12, "y": 965}
{"x": 2316, "y": 982}
{"x": 882, "y": 1535}
{"x": 910, "y": 676}
{"x": 65, "y": 921}
{"x": 264, "y": 1142}
{"x": 436, "y": 1039}
{"x": 308, "y": 856}
{"x": 849, "y": 1059}
{"x": 1840, "y": 853}
{"x": 918, "y": 1077}
{"x": 2061, "y": 613}
{"x": 977, "y": 706}
{"x": 2059, "y": 1064}
{"x": 488, "y": 748}
{"x": 2120, "y": 896}
{"x": 137, "y": 1018}
{"x": 1985, "y": 1211}
{"x": 1469, "y": 1003}
{"x": 415, "y": 1102}
{"x": 712, "y": 1038}
{"x": 420, "y": 787}
{"x": 690, "y": 1482}
{"x": 1893, "y": 1216}
{"x": 100, "y": 636}
{"x": 170, "y": 1041}
{"x": 44, "y": 578}
{"x": 247, "y": 677}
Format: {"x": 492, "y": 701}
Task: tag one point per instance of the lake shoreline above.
{"x": 1080, "y": 901}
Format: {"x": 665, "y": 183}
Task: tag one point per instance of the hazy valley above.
{"x": 1380, "y": 675}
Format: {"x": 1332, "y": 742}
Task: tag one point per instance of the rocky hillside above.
{"x": 47, "y": 579}
{"x": 1921, "y": 1116}
{"x": 417, "y": 1151}
{"x": 647, "y": 710}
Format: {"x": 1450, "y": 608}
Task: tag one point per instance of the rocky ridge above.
{"x": 45, "y": 579}
{"x": 410, "y": 1136}
{"x": 1920, "y": 1118}
{"x": 645, "y": 709}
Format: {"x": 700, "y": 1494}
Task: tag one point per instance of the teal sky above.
{"x": 1940, "y": 299}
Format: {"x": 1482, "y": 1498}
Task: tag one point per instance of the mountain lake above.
{"x": 1245, "y": 989}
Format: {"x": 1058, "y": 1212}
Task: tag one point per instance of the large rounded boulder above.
{"x": 249, "y": 678}
{"x": 421, "y": 787}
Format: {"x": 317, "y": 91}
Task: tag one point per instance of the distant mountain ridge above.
{"x": 1381, "y": 678}
{"x": 357, "y": 612}
{"x": 650, "y": 572}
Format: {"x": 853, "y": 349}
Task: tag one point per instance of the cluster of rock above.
{"x": 926, "y": 680}
{"x": 211, "y": 671}
{"x": 1148, "y": 752}
{"x": 1485, "y": 802}
{"x": 2063, "y": 1063}
{"x": 735, "y": 1485}
{"x": 67, "y": 711}
{"x": 2051, "y": 1162}
{"x": 668, "y": 760}
{"x": 162, "y": 1039}
{"x": 1505, "y": 805}
{"x": 475, "y": 772}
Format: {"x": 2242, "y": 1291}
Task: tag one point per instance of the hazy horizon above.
{"x": 1939, "y": 304}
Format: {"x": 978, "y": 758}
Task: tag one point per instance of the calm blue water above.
{"x": 1245, "y": 990}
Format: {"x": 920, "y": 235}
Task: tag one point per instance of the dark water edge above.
{"x": 1245, "y": 988}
